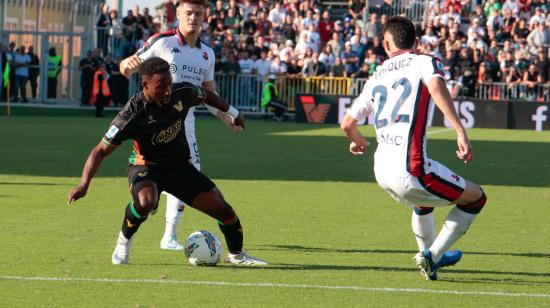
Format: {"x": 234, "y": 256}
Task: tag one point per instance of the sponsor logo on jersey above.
{"x": 142, "y": 174}
{"x": 390, "y": 139}
{"x": 175, "y": 50}
{"x": 178, "y": 106}
{"x": 167, "y": 135}
{"x": 111, "y": 132}
{"x": 173, "y": 68}
{"x": 205, "y": 55}
{"x": 193, "y": 69}
{"x": 151, "y": 120}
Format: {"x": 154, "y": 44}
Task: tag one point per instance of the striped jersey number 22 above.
{"x": 383, "y": 91}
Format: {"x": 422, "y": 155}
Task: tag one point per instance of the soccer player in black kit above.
{"x": 154, "y": 119}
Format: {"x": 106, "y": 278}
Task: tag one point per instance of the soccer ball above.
{"x": 203, "y": 248}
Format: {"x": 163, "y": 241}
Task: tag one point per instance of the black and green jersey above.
{"x": 158, "y": 132}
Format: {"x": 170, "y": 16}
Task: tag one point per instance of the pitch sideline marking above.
{"x": 277, "y": 285}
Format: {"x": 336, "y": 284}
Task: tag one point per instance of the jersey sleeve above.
{"x": 431, "y": 67}
{"x": 117, "y": 132}
{"x": 149, "y": 49}
{"x": 188, "y": 93}
{"x": 362, "y": 106}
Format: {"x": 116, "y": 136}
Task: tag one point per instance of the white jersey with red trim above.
{"x": 399, "y": 98}
{"x": 191, "y": 64}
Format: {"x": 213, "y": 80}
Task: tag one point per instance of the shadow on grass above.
{"x": 486, "y": 280}
{"x": 323, "y": 250}
{"x": 264, "y": 152}
{"x": 389, "y": 251}
{"x": 411, "y": 269}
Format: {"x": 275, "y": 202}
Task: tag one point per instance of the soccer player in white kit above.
{"x": 399, "y": 94}
{"x": 190, "y": 60}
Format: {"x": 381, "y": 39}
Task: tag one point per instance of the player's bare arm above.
{"x": 212, "y": 99}
{"x": 130, "y": 65}
{"x": 358, "y": 144}
{"x": 94, "y": 160}
{"x": 443, "y": 101}
{"x": 210, "y": 85}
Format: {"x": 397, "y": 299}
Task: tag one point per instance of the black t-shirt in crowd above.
{"x": 87, "y": 74}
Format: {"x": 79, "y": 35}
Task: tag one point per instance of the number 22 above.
{"x": 383, "y": 91}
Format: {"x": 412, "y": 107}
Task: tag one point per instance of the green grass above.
{"x": 307, "y": 206}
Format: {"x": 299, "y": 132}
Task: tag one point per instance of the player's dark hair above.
{"x": 402, "y": 31}
{"x": 153, "y": 66}
{"x": 203, "y": 3}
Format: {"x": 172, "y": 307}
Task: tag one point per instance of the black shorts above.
{"x": 183, "y": 181}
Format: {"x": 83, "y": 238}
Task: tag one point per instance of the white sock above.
{"x": 423, "y": 227}
{"x": 456, "y": 224}
{"x": 123, "y": 246}
{"x": 174, "y": 212}
{"x": 122, "y": 240}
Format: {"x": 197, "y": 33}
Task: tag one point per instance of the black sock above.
{"x": 131, "y": 221}
{"x": 233, "y": 232}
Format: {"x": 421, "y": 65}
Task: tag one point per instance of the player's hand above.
{"x": 465, "y": 151}
{"x": 239, "y": 121}
{"x": 132, "y": 63}
{"x": 358, "y": 148}
{"x": 77, "y": 193}
{"x": 229, "y": 122}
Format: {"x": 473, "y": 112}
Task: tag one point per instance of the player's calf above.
{"x": 132, "y": 220}
{"x": 233, "y": 233}
{"x": 423, "y": 226}
{"x": 459, "y": 219}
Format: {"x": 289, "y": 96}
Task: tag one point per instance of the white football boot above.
{"x": 244, "y": 259}
{"x": 170, "y": 243}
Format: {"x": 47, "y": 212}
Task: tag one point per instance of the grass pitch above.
{"x": 331, "y": 235}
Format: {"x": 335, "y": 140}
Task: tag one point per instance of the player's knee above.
{"x": 423, "y": 210}
{"x": 476, "y": 206}
{"x": 146, "y": 203}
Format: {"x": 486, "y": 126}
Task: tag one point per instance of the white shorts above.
{"x": 438, "y": 187}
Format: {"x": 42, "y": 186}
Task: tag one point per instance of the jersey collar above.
{"x": 182, "y": 41}
{"x": 400, "y": 52}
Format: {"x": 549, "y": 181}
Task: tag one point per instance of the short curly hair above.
{"x": 153, "y": 66}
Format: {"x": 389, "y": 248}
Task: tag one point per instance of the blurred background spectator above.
{"x": 478, "y": 41}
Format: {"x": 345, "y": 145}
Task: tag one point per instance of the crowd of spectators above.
{"x": 480, "y": 42}
{"x": 490, "y": 41}
{"x": 23, "y": 68}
